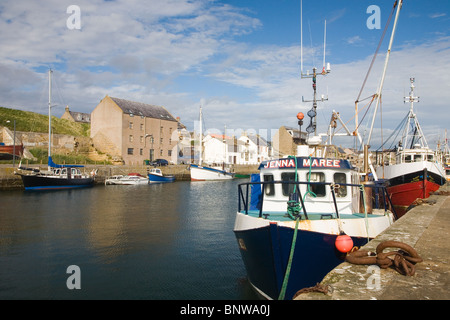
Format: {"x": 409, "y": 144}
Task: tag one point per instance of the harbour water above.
{"x": 166, "y": 241}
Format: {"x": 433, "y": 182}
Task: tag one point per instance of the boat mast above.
{"x": 201, "y": 138}
{"x": 380, "y": 88}
{"x": 412, "y": 119}
{"x": 49, "y": 115}
{"x": 325, "y": 70}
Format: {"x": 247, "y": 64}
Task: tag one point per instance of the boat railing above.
{"x": 379, "y": 198}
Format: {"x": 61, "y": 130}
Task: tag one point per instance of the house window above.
{"x": 130, "y": 151}
{"x": 142, "y": 127}
{"x": 141, "y": 152}
{"x": 131, "y": 138}
{"x": 142, "y": 138}
{"x": 161, "y": 152}
{"x": 130, "y": 125}
{"x": 161, "y": 140}
{"x": 169, "y": 153}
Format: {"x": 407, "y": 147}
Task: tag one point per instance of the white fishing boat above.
{"x": 418, "y": 171}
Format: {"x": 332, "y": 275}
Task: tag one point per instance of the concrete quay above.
{"x": 426, "y": 228}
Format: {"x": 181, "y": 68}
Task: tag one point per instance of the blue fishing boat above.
{"x": 299, "y": 217}
{"x": 156, "y": 176}
{"x": 294, "y": 214}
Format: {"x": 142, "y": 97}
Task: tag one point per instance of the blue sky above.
{"x": 239, "y": 59}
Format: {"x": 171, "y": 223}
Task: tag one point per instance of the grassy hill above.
{"x": 35, "y": 122}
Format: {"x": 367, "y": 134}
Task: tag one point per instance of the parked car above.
{"x": 159, "y": 163}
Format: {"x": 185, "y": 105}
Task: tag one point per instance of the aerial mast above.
{"x": 325, "y": 70}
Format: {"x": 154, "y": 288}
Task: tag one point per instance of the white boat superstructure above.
{"x": 130, "y": 179}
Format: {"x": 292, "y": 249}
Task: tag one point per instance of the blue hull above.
{"x": 38, "y": 182}
{"x": 155, "y": 178}
{"x": 265, "y": 252}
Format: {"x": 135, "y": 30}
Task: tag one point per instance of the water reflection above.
{"x": 164, "y": 241}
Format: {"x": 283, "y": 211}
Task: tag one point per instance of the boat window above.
{"x": 430, "y": 157}
{"x": 408, "y": 158}
{"x": 340, "y": 178}
{"x": 269, "y": 189}
{"x": 288, "y": 188}
{"x": 417, "y": 157}
{"x": 64, "y": 171}
{"x": 318, "y": 189}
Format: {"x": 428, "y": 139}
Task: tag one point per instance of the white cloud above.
{"x": 137, "y": 50}
{"x": 437, "y": 15}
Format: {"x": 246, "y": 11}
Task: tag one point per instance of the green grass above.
{"x": 34, "y": 122}
{"x": 41, "y": 156}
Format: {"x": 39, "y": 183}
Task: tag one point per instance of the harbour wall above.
{"x": 424, "y": 228}
{"x": 8, "y": 180}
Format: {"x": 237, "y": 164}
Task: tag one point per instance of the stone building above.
{"x": 133, "y": 131}
{"x": 286, "y": 140}
{"x": 76, "y": 116}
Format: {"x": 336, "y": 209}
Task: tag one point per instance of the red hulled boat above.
{"x": 418, "y": 170}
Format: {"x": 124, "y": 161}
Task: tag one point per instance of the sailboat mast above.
{"x": 49, "y": 114}
{"x": 380, "y": 88}
{"x": 201, "y": 137}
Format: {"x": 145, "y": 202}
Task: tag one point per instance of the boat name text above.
{"x": 290, "y": 163}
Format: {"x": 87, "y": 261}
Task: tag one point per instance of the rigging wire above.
{"x": 376, "y": 52}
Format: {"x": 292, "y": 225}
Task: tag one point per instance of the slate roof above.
{"x": 143, "y": 109}
{"x": 80, "y": 116}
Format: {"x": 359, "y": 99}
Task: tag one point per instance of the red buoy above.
{"x": 300, "y": 116}
{"x": 344, "y": 243}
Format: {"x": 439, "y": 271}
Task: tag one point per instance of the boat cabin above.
{"x": 62, "y": 172}
{"x": 415, "y": 155}
{"x": 156, "y": 171}
{"x": 317, "y": 176}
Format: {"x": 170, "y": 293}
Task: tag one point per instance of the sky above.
{"x": 238, "y": 59}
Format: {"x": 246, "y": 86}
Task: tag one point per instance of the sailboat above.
{"x": 301, "y": 214}
{"x": 418, "y": 170}
{"x": 206, "y": 173}
{"x": 57, "y": 176}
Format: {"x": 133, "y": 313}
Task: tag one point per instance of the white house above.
{"x": 253, "y": 149}
{"x": 215, "y": 149}
{"x": 248, "y": 149}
